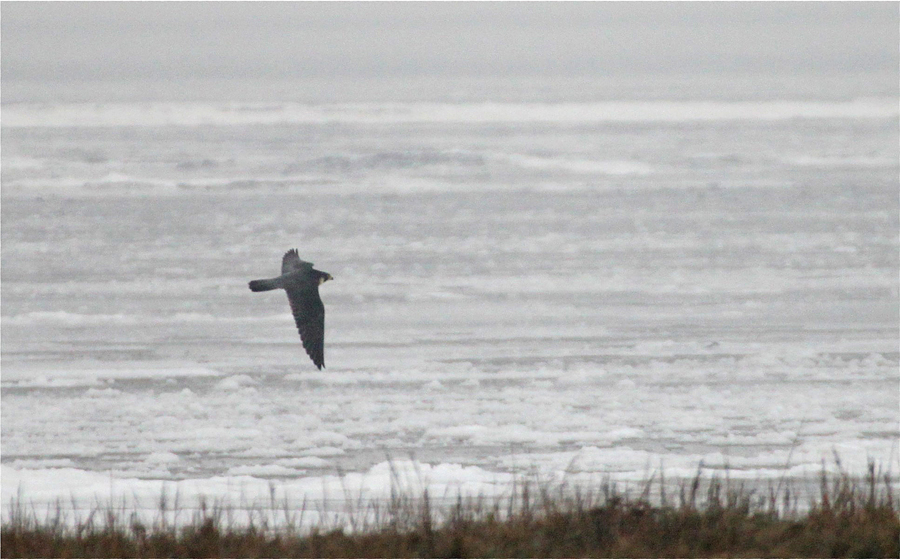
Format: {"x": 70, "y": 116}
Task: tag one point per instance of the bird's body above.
{"x": 301, "y": 282}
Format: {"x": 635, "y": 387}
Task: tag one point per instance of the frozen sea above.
{"x": 572, "y": 290}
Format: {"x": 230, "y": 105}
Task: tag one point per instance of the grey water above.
{"x": 512, "y": 285}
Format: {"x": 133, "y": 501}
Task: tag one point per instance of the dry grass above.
{"x": 849, "y": 517}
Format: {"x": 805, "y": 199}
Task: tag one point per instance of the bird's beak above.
{"x": 329, "y": 277}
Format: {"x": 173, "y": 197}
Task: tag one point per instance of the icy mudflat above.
{"x": 517, "y": 292}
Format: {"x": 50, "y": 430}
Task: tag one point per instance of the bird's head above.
{"x": 324, "y": 277}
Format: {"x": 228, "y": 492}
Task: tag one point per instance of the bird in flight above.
{"x": 302, "y": 283}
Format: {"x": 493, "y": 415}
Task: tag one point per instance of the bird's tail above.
{"x": 265, "y": 285}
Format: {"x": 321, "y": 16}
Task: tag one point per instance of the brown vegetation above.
{"x": 850, "y": 517}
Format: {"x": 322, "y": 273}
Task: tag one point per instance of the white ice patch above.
{"x": 221, "y": 114}
{"x": 235, "y": 382}
{"x": 45, "y": 488}
{"x": 579, "y": 166}
{"x": 839, "y": 161}
{"x": 267, "y": 470}
{"x": 162, "y": 458}
{"x": 95, "y": 374}
{"x": 325, "y": 439}
{"x": 323, "y": 451}
{"x": 64, "y": 318}
{"x": 304, "y": 462}
{"x": 581, "y": 375}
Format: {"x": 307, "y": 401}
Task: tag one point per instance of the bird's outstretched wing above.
{"x": 291, "y": 262}
{"x": 309, "y": 314}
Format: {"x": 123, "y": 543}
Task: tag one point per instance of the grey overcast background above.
{"x": 181, "y": 50}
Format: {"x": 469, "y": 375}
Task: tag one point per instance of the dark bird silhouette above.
{"x": 302, "y": 283}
